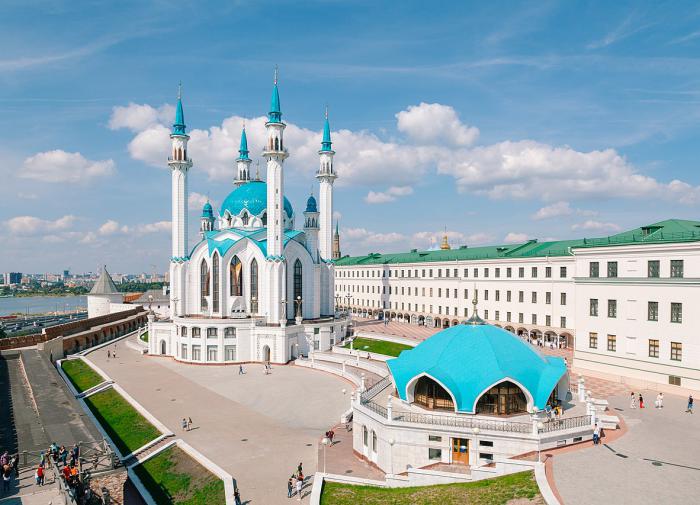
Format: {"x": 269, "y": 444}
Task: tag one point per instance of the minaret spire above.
{"x": 243, "y": 161}
{"x": 326, "y": 176}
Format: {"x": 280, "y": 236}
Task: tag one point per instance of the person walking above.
{"x": 633, "y": 401}
{"x": 641, "y": 401}
{"x": 40, "y": 475}
{"x": 184, "y": 424}
{"x": 290, "y": 487}
{"x": 300, "y": 485}
{"x": 660, "y": 401}
{"x": 237, "y": 496}
{"x": 689, "y": 410}
{"x": 6, "y": 476}
{"x": 189, "y": 423}
{"x": 109, "y": 354}
{"x": 240, "y": 369}
{"x": 596, "y": 434}
{"x": 299, "y": 470}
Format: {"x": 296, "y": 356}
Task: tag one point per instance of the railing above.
{"x": 377, "y": 388}
{"x": 640, "y": 237}
{"x": 565, "y": 424}
{"x": 463, "y": 422}
{"x": 376, "y": 408}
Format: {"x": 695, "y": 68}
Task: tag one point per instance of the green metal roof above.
{"x": 671, "y": 230}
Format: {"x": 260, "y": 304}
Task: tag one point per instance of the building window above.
{"x": 434, "y": 454}
{"x": 521, "y": 318}
{"x": 498, "y": 315}
{"x": 653, "y": 311}
{"x": 236, "y": 277}
{"x": 196, "y": 353}
{"x": 534, "y": 272}
{"x": 486, "y": 294}
{"x": 434, "y": 438}
{"x": 508, "y": 297}
{"x": 432, "y": 395}
{"x": 521, "y": 296}
{"x": 593, "y": 340}
{"x": 534, "y": 318}
{"x": 594, "y": 269}
{"x": 612, "y": 268}
{"x": 548, "y": 272}
{"x": 505, "y": 398}
{"x": 676, "y": 351}
{"x": 676, "y": 268}
{"x": 486, "y": 272}
{"x": 229, "y": 332}
{"x": 562, "y": 322}
{"x": 548, "y": 297}
{"x": 612, "y": 308}
{"x": 653, "y": 268}
{"x": 183, "y": 351}
{"x": 254, "y": 283}
{"x": 183, "y": 331}
{"x": 211, "y": 353}
{"x": 612, "y": 343}
{"x": 548, "y": 320}
{"x": 215, "y": 283}
{"x": 298, "y": 285}
{"x": 196, "y": 332}
{"x": 204, "y": 284}
{"x": 653, "y": 348}
{"x": 476, "y": 272}
{"x": 498, "y": 295}
{"x": 521, "y": 272}
{"x": 486, "y": 314}
{"x": 509, "y": 272}
{"x": 211, "y": 332}
{"x": 498, "y": 272}
{"x": 508, "y": 317}
{"x": 562, "y": 299}
{"x": 230, "y": 353}
{"x": 674, "y": 380}
{"x": 594, "y": 307}
{"x": 676, "y": 312}
{"x": 562, "y": 272}
{"x": 534, "y": 296}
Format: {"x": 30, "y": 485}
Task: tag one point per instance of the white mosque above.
{"x": 253, "y": 288}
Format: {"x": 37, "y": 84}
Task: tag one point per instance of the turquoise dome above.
{"x": 251, "y": 196}
{"x": 207, "y": 211}
{"x": 468, "y": 359}
{"x": 311, "y": 204}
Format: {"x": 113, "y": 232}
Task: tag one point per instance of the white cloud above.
{"x": 61, "y": 166}
{"x": 554, "y": 210}
{"x": 592, "y": 225}
{"x": 389, "y": 195}
{"x": 157, "y": 227}
{"x": 30, "y": 225}
{"x": 112, "y": 227}
{"x": 138, "y": 117}
{"x": 435, "y": 124}
{"x": 196, "y": 201}
{"x": 514, "y": 238}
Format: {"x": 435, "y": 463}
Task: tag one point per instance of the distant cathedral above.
{"x": 336, "y": 243}
{"x": 253, "y": 288}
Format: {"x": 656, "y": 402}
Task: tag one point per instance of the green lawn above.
{"x": 378, "y": 346}
{"x": 498, "y": 491}
{"x": 174, "y": 477}
{"x": 127, "y": 428}
{"x": 80, "y": 374}
{"x": 144, "y": 337}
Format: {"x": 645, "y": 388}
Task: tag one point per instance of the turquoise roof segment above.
{"x": 243, "y": 149}
{"x": 222, "y": 246}
{"x": 469, "y": 359}
{"x": 252, "y": 196}
{"x": 311, "y": 204}
{"x": 207, "y": 211}
{"x": 275, "y": 114}
{"x": 326, "y": 142}
{"x": 179, "y": 127}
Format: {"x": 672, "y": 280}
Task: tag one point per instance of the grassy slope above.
{"x": 378, "y": 346}
{"x": 80, "y": 374}
{"x": 498, "y": 491}
{"x": 174, "y": 477}
{"x": 127, "y": 428}
{"x": 144, "y": 337}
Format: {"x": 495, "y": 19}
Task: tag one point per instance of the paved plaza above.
{"x": 257, "y": 427}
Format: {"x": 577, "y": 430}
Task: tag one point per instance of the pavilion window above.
{"x": 215, "y": 283}
{"x": 245, "y": 218}
{"x": 502, "y": 400}
{"x": 254, "y": 280}
{"x": 236, "y": 277}
{"x": 429, "y": 394}
{"x": 204, "y": 284}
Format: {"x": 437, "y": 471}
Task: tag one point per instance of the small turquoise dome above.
{"x": 468, "y": 359}
{"x": 207, "y": 211}
{"x": 251, "y": 196}
{"x": 311, "y": 204}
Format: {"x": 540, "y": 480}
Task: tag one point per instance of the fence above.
{"x": 565, "y": 424}
{"x": 463, "y": 422}
{"x": 377, "y": 388}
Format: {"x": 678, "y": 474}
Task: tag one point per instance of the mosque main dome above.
{"x": 251, "y": 196}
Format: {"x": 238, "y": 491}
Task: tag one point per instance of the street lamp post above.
{"x": 540, "y": 426}
{"x": 325, "y": 443}
{"x": 391, "y": 455}
{"x": 283, "y": 312}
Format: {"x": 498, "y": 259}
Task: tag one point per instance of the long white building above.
{"x": 623, "y": 302}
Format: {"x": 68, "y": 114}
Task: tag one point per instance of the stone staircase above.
{"x": 139, "y": 456}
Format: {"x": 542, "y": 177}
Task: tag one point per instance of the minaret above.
{"x": 206, "y": 221}
{"x": 179, "y": 164}
{"x": 277, "y": 303}
{"x": 326, "y": 176}
{"x": 275, "y": 154}
{"x": 243, "y": 161}
{"x": 336, "y": 243}
{"x": 311, "y": 227}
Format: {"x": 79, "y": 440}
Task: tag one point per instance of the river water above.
{"x": 41, "y": 304}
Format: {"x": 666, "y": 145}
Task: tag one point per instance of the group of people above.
{"x": 9, "y": 468}
{"x": 658, "y": 403}
{"x": 295, "y": 484}
{"x": 186, "y": 423}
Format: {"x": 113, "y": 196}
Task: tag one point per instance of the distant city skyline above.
{"x": 496, "y": 123}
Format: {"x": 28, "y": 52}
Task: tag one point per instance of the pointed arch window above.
{"x": 254, "y": 280}
{"x": 236, "y": 277}
{"x": 298, "y": 283}
{"x": 277, "y": 144}
{"x": 215, "y": 283}
{"x": 503, "y": 399}
{"x": 245, "y": 218}
{"x": 204, "y": 284}
{"x": 432, "y": 395}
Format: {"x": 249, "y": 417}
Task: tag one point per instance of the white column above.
{"x": 275, "y": 207}
{"x": 326, "y": 217}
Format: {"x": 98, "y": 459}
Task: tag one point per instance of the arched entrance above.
{"x": 163, "y": 347}
{"x": 429, "y": 394}
{"x": 503, "y": 399}
{"x": 266, "y": 354}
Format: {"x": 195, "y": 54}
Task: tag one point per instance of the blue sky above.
{"x": 497, "y": 121}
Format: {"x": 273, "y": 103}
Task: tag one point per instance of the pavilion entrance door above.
{"x": 460, "y": 451}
